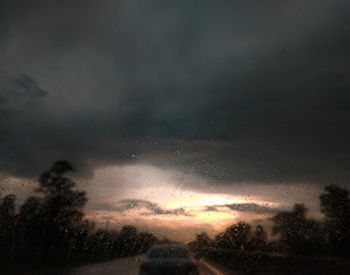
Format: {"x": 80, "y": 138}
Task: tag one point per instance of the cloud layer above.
{"x": 232, "y": 91}
{"x": 244, "y": 207}
{"x": 148, "y": 207}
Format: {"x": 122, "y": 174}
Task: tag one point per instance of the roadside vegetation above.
{"x": 304, "y": 245}
{"x": 50, "y": 230}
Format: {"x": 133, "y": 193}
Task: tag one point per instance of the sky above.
{"x": 177, "y": 114}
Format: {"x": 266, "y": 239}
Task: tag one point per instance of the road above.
{"x": 127, "y": 266}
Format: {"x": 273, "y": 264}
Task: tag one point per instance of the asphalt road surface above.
{"x": 127, "y": 266}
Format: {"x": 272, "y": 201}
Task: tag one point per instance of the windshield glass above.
{"x": 221, "y": 127}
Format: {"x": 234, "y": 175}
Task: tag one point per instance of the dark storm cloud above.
{"x": 18, "y": 90}
{"x": 231, "y": 90}
{"x": 132, "y": 204}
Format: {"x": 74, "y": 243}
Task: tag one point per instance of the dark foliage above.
{"x": 298, "y": 234}
{"x": 51, "y": 229}
{"x": 303, "y": 247}
{"x": 335, "y": 204}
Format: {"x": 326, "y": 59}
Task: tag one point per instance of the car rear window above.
{"x": 168, "y": 252}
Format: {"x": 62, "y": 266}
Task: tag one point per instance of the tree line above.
{"x": 297, "y": 234}
{"x": 51, "y": 228}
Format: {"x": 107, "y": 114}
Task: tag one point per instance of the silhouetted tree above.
{"x": 222, "y": 241}
{"x": 127, "y": 240}
{"x": 235, "y": 237}
{"x": 26, "y": 228}
{"x": 7, "y": 225}
{"x": 60, "y": 214}
{"x": 202, "y": 244}
{"x": 51, "y": 228}
{"x": 239, "y": 235}
{"x": 335, "y": 205}
{"x": 102, "y": 243}
{"x": 296, "y": 231}
{"x": 259, "y": 239}
{"x": 145, "y": 241}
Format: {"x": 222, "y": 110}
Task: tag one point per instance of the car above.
{"x": 168, "y": 259}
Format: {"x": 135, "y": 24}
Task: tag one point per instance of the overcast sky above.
{"x": 225, "y": 92}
